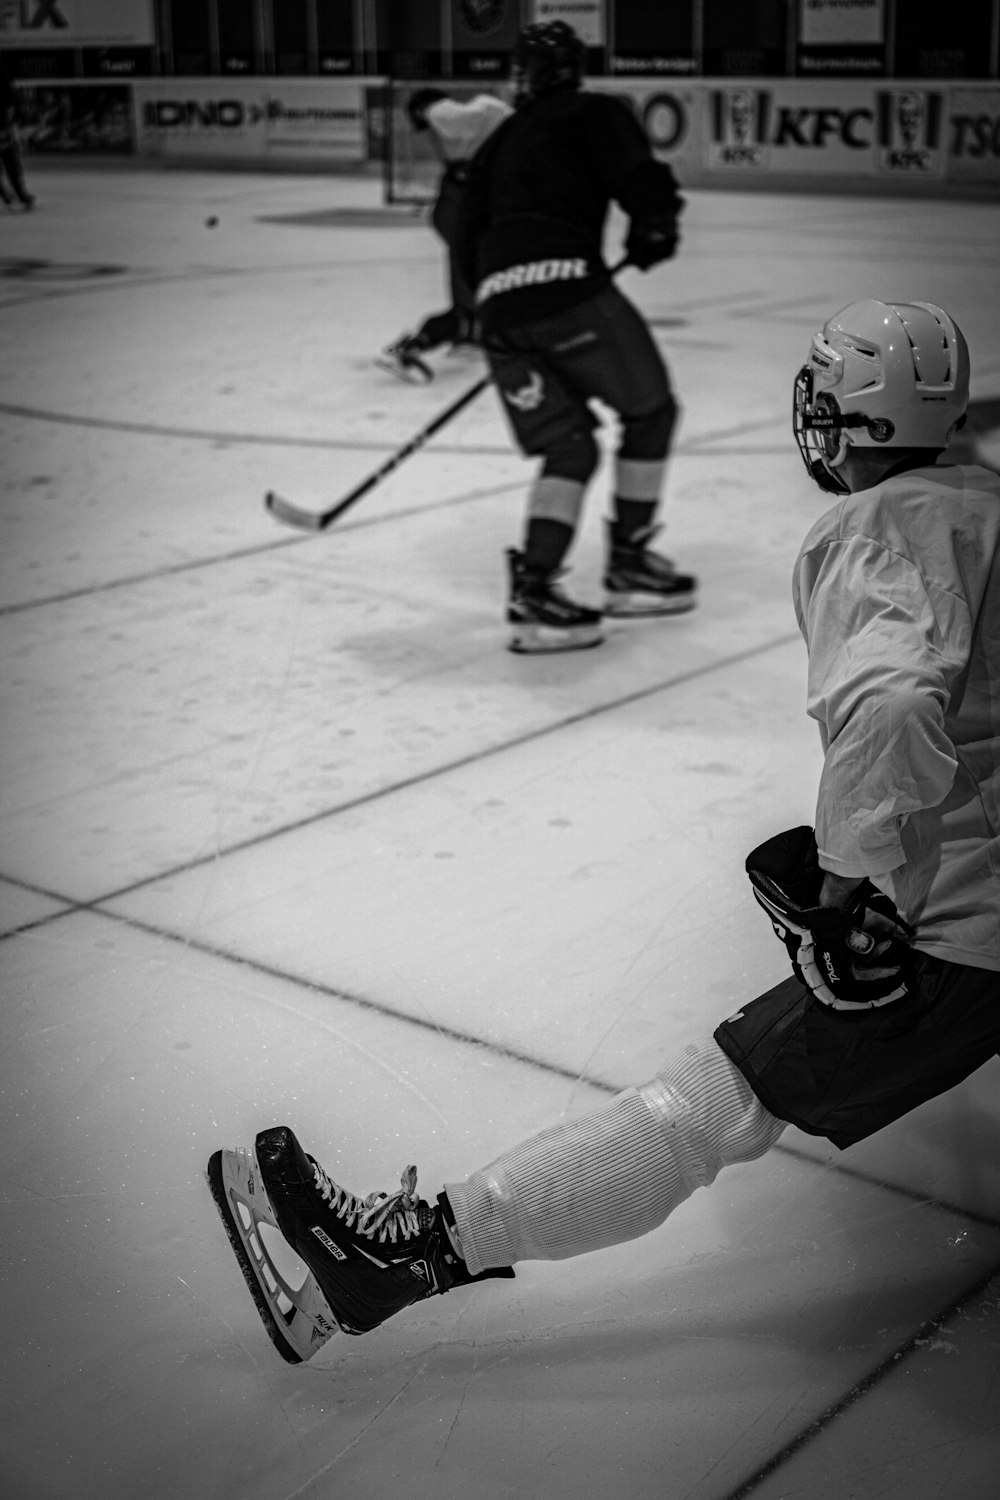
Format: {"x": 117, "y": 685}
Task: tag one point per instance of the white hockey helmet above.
{"x": 879, "y": 375}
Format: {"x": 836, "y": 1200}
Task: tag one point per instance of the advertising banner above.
{"x": 974, "y": 123}
{"x": 826, "y": 129}
{"x": 483, "y": 33}
{"x": 267, "y": 118}
{"x": 587, "y": 17}
{"x": 841, "y": 37}
{"x": 490, "y": 25}
{"x": 77, "y": 23}
{"x": 840, "y": 23}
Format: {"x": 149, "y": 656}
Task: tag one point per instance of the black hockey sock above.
{"x": 546, "y": 545}
{"x": 631, "y": 517}
{"x": 451, "y": 1228}
{"x": 458, "y": 1273}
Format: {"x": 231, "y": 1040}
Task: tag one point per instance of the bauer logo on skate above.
{"x": 325, "y": 1239}
{"x": 532, "y": 274}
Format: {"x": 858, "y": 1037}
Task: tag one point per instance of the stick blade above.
{"x": 292, "y": 514}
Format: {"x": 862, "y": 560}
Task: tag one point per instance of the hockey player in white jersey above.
{"x": 457, "y": 128}
{"x": 889, "y": 910}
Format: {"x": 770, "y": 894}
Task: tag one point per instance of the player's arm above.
{"x": 837, "y": 890}
{"x": 473, "y": 216}
{"x": 885, "y": 650}
{"x": 643, "y": 187}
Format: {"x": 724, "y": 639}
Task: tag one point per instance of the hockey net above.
{"x": 411, "y": 167}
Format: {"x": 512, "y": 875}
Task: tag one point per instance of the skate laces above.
{"x": 535, "y": 582}
{"x": 382, "y": 1216}
{"x": 638, "y": 543}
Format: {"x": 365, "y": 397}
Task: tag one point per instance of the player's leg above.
{"x": 621, "y": 366}
{"x": 590, "y": 1182}
{"x": 614, "y": 1173}
{"x": 847, "y": 1074}
{"x": 554, "y": 424}
{"x": 5, "y": 197}
{"x": 14, "y": 168}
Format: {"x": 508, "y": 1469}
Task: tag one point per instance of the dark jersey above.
{"x": 537, "y": 198}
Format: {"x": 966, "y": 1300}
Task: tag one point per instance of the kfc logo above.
{"x": 909, "y": 129}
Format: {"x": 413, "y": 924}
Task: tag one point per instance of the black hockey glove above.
{"x": 852, "y": 957}
{"x": 646, "y": 247}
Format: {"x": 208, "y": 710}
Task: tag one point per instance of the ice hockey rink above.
{"x": 288, "y": 836}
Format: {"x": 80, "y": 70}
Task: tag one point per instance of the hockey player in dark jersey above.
{"x": 559, "y": 334}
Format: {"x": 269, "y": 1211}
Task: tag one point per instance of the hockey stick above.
{"x": 311, "y": 520}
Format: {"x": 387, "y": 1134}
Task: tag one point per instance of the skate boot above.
{"x": 641, "y": 582}
{"x": 371, "y": 1257}
{"x": 402, "y": 359}
{"x": 544, "y": 619}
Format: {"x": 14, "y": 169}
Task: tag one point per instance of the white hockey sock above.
{"x": 617, "y": 1172}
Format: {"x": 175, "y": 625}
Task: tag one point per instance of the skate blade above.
{"x": 415, "y": 372}
{"x": 297, "y": 1317}
{"x": 634, "y": 606}
{"x": 538, "y": 640}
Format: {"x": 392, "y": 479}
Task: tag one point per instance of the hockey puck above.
{"x": 211, "y": 223}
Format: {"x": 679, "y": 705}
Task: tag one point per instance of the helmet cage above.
{"x": 819, "y": 426}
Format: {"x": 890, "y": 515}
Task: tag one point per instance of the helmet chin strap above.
{"x": 827, "y": 479}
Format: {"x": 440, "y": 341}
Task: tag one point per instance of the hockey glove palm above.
{"x": 852, "y": 957}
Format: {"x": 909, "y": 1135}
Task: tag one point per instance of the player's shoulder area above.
{"x": 921, "y": 523}
{"x": 585, "y": 105}
{"x": 603, "y": 104}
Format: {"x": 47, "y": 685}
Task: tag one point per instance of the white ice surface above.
{"x": 287, "y": 835}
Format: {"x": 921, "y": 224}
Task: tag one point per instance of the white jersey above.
{"x": 461, "y": 126}
{"x": 897, "y": 593}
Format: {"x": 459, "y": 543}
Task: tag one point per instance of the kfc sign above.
{"x": 893, "y": 130}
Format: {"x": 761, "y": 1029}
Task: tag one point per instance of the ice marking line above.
{"x": 359, "y": 444}
{"x": 862, "y": 1388}
{"x": 474, "y": 757}
{"x": 858, "y": 1174}
{"x": 254, "y": 439}
{"x": 361, "y": 1002}
{"x": 470, "y": 1039}
{"x": 239, "y": 553}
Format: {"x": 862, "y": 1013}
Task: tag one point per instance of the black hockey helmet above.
{"x": 547, "y": 55}
{"x": 419, "y": 103}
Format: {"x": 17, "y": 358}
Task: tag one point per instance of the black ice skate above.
{"x": 367, "y": 1258}
{"x": 544, "y": 619}
{"x": 402, "y": 359}
{"x": 641, "y": 582}
{"x": 291, "y": 1305}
